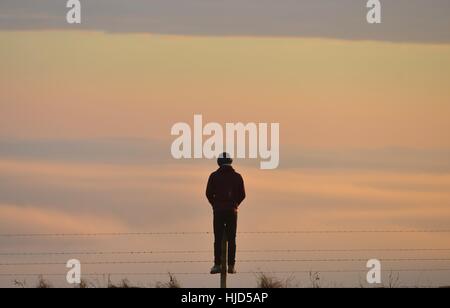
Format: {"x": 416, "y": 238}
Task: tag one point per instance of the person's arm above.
{"x": 241, "y": 190}
{"x": 210, "y": 194}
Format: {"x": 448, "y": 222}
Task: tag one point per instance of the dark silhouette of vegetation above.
{"x": 172, "y": 284}
{"x": 268, "y": 282}
{"x": 263, "y": 281}
{"x": 43, "y": 284}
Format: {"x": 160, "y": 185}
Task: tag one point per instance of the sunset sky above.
{"x": 86, "y": 113}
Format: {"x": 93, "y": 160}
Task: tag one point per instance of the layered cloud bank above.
{"x": 403, "y": 20}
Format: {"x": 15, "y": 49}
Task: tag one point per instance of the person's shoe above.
{"x": 231, "y": 269}
{"x": 216, "y": 269}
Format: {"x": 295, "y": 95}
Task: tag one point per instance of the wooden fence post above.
{"x": 223, "y": 274}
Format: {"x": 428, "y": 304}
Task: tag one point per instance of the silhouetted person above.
{"x": 225, "y": 192}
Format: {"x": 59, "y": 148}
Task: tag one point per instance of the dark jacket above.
{"x": 225, "y": 189}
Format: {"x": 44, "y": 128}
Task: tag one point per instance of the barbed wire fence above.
{"x": 19, "y": 267}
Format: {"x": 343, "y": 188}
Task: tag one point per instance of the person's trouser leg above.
{"x": 218, "y": 236}
{"x": 231, "y": 229}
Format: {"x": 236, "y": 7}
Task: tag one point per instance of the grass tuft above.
{"x": 171, "y": 284}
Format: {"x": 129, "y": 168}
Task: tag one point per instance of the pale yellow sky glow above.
{"x": 85, "y": 122}
{"x": 82, "y": 85}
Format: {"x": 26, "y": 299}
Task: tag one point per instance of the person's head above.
{"x": 224, "y": 159}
